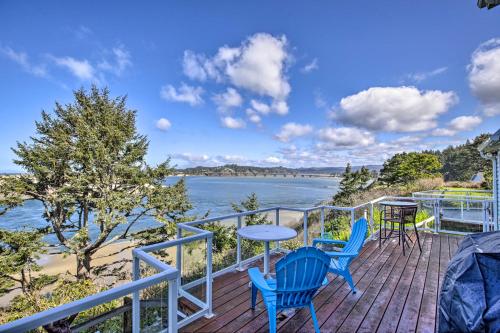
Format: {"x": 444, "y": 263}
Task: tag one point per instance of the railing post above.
{"x": 172, "y": 305}
{"x": 136, "y": 301}
{"x": 209, "y": 277}
{"x": 372, "y": 224}
{"x": 353, "y": 217}
{"x": 277, "y": 221}
{"x": 486, "y": 226}
{"x": 178, "y": 260}
{"x": 305, "y": 228}
{"x": 322, "y": 221}
{"x": 462, "y": 209}
{"x": 238, "y": 245}
{"x": 437, "y": 217}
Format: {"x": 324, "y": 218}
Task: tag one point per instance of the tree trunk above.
{"x": 83, "y": 266}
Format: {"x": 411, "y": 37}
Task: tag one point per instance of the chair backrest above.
{"x": 299, "y": 275}
{"x": 355, "y": 242}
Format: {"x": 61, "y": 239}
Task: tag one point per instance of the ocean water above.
{"x": 207, "y": 194}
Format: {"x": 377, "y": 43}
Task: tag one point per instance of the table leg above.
{"x": 266, "y": 258}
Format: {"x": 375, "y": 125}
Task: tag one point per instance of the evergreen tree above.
{"x": 86, "y": 165}
{"x": 251, "y": 204}
{"x": 405, "y": 168}
{"x": 462, "y": 162}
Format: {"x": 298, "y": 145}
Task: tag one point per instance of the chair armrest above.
{"x": 327, "y": 241}
{"x": 258, "y": 280}
{"x": 342, "y": 254}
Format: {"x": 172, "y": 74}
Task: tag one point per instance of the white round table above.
{"x": 266, "y": 234}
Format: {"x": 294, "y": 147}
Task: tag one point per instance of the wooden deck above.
{"x": 396, "y": 293}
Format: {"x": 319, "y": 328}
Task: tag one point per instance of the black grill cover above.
{"x": 470, "y": 294}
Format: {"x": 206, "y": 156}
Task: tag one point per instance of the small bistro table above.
{"x": 398, "y": 212}
{"x": 267, "y": 234}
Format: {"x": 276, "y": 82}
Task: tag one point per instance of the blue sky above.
{"x": 260, "y": 82}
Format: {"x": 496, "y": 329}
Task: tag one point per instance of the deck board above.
{"x": 396, "y": 293}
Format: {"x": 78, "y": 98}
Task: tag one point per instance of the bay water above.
{"x": 207, "y": 194}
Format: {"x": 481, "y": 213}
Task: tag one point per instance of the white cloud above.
{"x": 395, "y": 109}
{"x": 484, "y": 76}
{"x": 163, "y": 124}
{"x": 293, "y": 130}
{"x": 253, "y": 116}
{"x": 465, "y": 123}
{"x": 462, "y": 123}
{"x": 345, "y": 137}
{"x": 421, "y": 76}
{"x": 257, "y": 66}
{"x": 192, "y": 158}
{"x": 308, "y": 68}
{"x": 260, "y": 67}
{"x": 228, "y": 100}
{"x": 273, "y": 160}
{"x": 260, "y": 107}
{"x": 234, "y": 123}
{"x": 121, "y": 61}
{"x": 185, "y": 94}
{"x": 199, "y": 67}
{"x": 82, "y": 69}
{"x": 22, "y": 59}
{"x": 443, "y": 132}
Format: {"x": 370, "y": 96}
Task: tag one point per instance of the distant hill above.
{"x": 242, "y": 170}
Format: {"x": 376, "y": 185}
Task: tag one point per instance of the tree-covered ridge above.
{"x": 246, "y": 170}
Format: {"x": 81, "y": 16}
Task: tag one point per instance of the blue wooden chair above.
{"x": 298, "y": 276}
{"x": 341, "y": 260}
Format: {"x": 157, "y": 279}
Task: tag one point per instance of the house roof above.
{"x": 492, "y": 145}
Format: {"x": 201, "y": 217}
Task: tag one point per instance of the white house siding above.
{"x": 496, "y": 191}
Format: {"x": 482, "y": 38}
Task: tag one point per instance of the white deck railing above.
{"x": 173, "y": 275}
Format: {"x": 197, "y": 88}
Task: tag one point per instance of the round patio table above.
{"x": 266, "y": 234}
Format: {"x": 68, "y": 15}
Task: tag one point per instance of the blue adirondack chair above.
{"x": 341, "y": 260}
{"x": 298, "y": 276}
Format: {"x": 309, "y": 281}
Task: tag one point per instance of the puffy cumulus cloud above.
{"x": 462, "y": 123}
{"x": 163, "y": 124}
{"x": 257, "y": 66}
{"x": 260, "y": 66}
{"x": 344, "y": 137}
{"x": 185, "y": 94}
{"x": 293, "y": 130}
{"x": 234, "y": 123}
{"x": 228, "y": 100}
{"x": 465, "y": 123}
{"x": 308, "y": 68}
{"x": 395, "y": 109}
{"x": 22, "y": 59}
{"x": 484, "y": 75}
